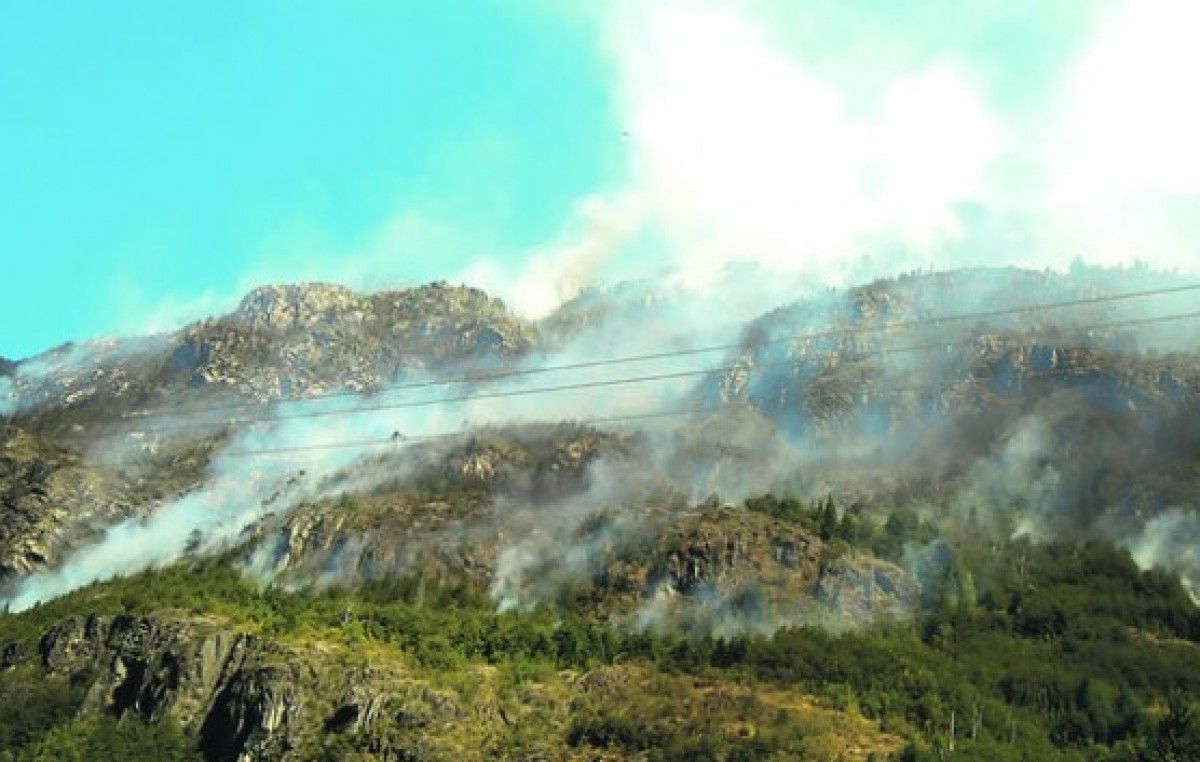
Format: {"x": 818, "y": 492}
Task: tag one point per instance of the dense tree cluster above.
{"x": 1022, "y": 651}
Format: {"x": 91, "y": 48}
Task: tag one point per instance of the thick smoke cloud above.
{"x": 9, "y": 399}
{"x": 1172, "y": 541}
{"x": 551, "y": 552}
{"x": 1015, "y": 466}
{"x": 835, "y": 143}
{"x": 803, "y": 152}
{"x": 251, "y": 477}
{"x": 760, "y": 176}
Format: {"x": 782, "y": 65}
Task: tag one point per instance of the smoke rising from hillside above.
{"x": 552, "y": 554}
{"x": 840, "y": 162}
{"x": 752, "y": 179}
{"x": 926, "y": 139}
{"x": 8, "y": 396}
{"x": 1042, "y": 465}
{"x": 248, "y": 480}
{"x": 1171, "y": 541}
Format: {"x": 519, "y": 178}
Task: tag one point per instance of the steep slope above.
{"x": 1067, "y": 419}
{"x": 282, "y": 342}
{"x": 296, "y": 341}
{"x": 328, "y": 689}
{"x": 51, "y": 501}
{"x": 537, "y": 588}
{"x": 76, "y": 462}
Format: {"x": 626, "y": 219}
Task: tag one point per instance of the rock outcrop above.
{"x": 49, "y": 501}
{"x": 439, "y": 511}
{"x": 243, "y": 698}
{"x": 873, "y": 357}
{"x": 148, "y": 666}
{"x": 286, "y": 342}
{"x": 282, "y": 342}
{"x": 720, "y": 553}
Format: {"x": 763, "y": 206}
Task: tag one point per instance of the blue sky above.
{"x": 156, "y": 149}
{"x": 158, "y": 159}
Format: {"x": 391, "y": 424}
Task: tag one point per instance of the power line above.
{"x": 614, "y": 382}
{"x": 378, "y": 442}
{"x": 587, "y": 364}
{"x": 622, "y": 381}
{"x": 507, "y": 393}
{"x": 861, "y": 387}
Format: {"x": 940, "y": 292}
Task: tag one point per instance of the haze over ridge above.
{"x": 834, "y": 143}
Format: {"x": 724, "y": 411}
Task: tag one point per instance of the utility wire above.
{"x": 860, "y": 387}
{"x": 622, "y": 381}
{"x": 806, "y": 336}
{"x": 378, "y": 442}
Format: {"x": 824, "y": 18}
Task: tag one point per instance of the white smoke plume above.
{"x": 836, "y": 157}
{"x": 257, "y": 473}
{"x": 842, "y": 162}
{"x": 1171, "y": 541}
{"x": 9, "y": 398}
{"x": 565, "y": 542}
{"x": 753, "y": 171}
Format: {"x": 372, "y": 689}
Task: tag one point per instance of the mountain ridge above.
{"x": 852, "y": 461}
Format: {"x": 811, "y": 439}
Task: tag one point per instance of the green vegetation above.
{"x": 1052, "y": 652}
{"x": 885, "y": 540}
{"x": 39, "y": 723}
{"x": 106, "y": 739}
{"x": 33, "y": 706}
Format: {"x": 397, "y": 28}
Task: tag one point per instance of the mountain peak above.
{"x": 282, "y": 307}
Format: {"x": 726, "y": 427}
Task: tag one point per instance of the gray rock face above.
{"x": 704, "y": 561}
{"x": 193, "y": 671}
{"x": 282, "y": 342}
{"x": 1107, "y": 408}
{"x": 208, "y": 679}
{"x": 722, "y": 551}
{"x": 297, "y": 341}
{"x": 855, "y": 585}
{"x": 50, "y": 500}
{"x": 243, "y": 698}
{"x": 284, "y": 308}
{"x": 872, "y": 357}
{"x": 439, "y": 510}
{"x": 146, "y": 666}
{"x": 253, "y": 716}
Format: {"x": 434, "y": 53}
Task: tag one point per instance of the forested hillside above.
{"x": 942, "y": 516}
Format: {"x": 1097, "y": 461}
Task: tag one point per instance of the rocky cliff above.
{"x": 282, "y": 342}
{"x": 50, "y": 501}
{"x": 813, "y": 387}
{"x": 530, "y": 513}
{"x": 242, "y": 697}
{"x": 1032, "y": 422}
{"x": 287, "y": 342}
{"x": 1006, "y": 389}
{"x": 77, "y": 457}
